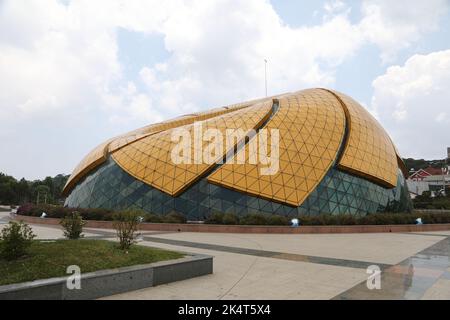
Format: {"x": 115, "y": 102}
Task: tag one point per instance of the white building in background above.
{"x": 436, "y": 183}
{"x": 430, "y": 179}
{"x": 417, "y": 187}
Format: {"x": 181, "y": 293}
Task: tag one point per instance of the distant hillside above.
{"x": 417, "y": 164}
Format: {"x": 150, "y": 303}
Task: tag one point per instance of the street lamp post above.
{"x": 443, "y": 176}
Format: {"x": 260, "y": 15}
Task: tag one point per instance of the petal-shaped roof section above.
{"x": 93, "y": 159}
{"x": 400, "y": 162}
{"x": 100, "y": 153}
{"x": 311, "y": 126}
{"x": 150, "y": 159}
{"x": 318, "y": 128}
{"x": 369, "y": 151}
{"x": 132, "y": 136}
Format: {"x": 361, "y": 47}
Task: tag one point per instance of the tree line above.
{"x": 417, "y": 164}
{"x": 16, "y": 192}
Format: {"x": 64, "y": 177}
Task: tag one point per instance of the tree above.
{"x": 23, "y": 191}
{"x": 73, "y": 225}
{"x": 42, "y": 193}
{"x": 7, "y": 189}
{"x": 126, "y": 224}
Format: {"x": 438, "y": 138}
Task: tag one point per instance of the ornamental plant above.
{"x": 126, "y": 224}
{"x": 15, "y": 239}
{"x": 73, "y": 225}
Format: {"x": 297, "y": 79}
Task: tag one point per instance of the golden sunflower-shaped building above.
{"x": 332, "y": 157}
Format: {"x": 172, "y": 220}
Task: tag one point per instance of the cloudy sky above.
{"x": 75, "y": 73}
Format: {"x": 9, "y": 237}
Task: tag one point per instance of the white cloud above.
{"x": 395, "y": 25}
{"x": 334, "y": 7}
{"x": 218, "y": 51}
{"x": 60, "y": 73}
{"x": 412, "y": 102}
{"x": 63, "y": 89}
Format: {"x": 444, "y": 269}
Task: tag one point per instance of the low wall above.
{"x": 109, "y": 282}
{"x": 178, "y": 227}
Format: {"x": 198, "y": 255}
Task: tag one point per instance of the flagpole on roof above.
{"x": 265, "y": 74}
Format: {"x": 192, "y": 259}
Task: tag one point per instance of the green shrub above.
{"x": 15, "y": 239}
{"x": 330, "y": 220}
{"x": 347, "y": 219}
{"x": 254, "y": 219}
{"x": 223, "y": 218}
{"x": 425, "y": 201}
{"x": 324, "y": 219}
{"x": 215, "y": 218}
{"x": 230, "y": 219}
{"x": 73, "y": 225}
{"x": 277, "y": 220}
{"x": 97, "y": 214}
{"x": 126, "y": 224}
{"x": 174, "y": 217}
{"x": 61, "y": 212}
{"x": 152, "y": 218}
{"x": 251, "y": 219}
{"x": 387, "y": 218}
{"x": 375, "y": 219}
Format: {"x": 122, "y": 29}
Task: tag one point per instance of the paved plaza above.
{"x": 298, "y": 266}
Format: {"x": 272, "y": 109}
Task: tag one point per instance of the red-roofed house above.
{"x": 421, "y": 174}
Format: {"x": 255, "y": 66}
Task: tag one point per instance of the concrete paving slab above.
{"x": 388, "y": 248}
{"x": 248, "y": 277}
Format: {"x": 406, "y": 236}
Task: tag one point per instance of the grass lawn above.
{"x": 51, "y": 259}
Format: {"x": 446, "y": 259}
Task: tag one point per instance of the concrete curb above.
{"x": 179, "y": 227}
{"x": 109, "y": 282}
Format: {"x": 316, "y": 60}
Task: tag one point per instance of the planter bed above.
{"x": 179, "y": 227}
{"x": 106, "y": 270}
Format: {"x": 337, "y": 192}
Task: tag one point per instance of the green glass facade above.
{"x": 110, "y": 187}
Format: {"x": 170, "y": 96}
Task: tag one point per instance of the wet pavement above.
{"x": 412, "y": 278}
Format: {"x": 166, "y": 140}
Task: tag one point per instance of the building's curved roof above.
{"x": 317, "y": 129}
